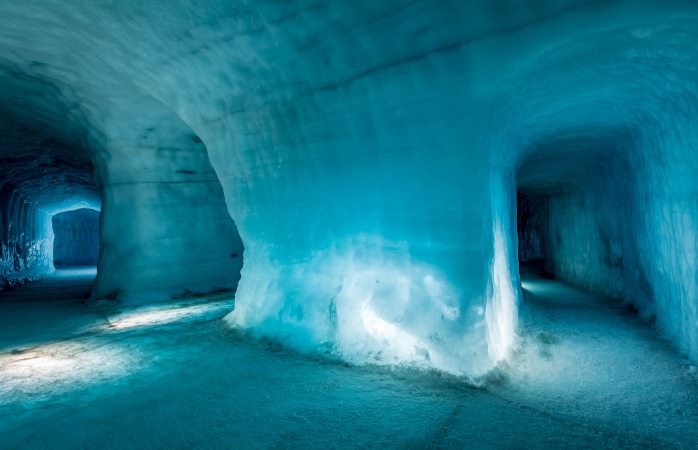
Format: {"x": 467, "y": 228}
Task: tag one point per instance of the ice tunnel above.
{"x": 60, "y": 168}
{"x": 602, "y": 169}
{"x": 375, "y": 159}
{"x": 76, "y": 237}
{"x": 41, "y": 173}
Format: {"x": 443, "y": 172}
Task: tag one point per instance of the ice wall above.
{"x": 367, "y": 152}
{"x": 166, "y": 232}
{"x": 76, "y": 238}
{"x": 24, "y": 254}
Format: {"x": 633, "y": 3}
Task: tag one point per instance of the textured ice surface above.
{"x": 165, "y": 231}
{"x": 368, "y": 152}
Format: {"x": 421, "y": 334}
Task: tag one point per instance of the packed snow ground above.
{"x": 586, "y": 373}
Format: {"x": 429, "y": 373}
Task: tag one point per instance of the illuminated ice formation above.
{"x": 369, "y": 153}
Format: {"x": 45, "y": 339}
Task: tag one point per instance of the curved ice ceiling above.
{"x": 369, "y": 153}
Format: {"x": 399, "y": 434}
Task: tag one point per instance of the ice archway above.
{"x": 368, "y": 154}
{"x": 60, "y": 156}
{"x": 608, "y": 152}
{"x": 76, "y": 237}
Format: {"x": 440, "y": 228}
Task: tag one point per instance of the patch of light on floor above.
{"x": 76, "y": 272}
{"x": 60, "y": 367}
{"x": 163, "y": 315}
{"x": 526, "y": 286}
{"x": 84, "y": 360}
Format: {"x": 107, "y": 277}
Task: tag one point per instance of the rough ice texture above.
{"x": 166, "y": 232}
{"x": 367, "y": 152}
{"x": 76, "y": 238}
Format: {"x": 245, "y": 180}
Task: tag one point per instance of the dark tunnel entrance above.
{"x": 540, "y": 242}
{"x": 48, "y": 185}
{"x": 76, "y": 238}
{"x": 576, "y": 205}
{"x": 532, "y": 229}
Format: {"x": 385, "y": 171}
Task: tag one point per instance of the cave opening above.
{"x": 531, "y": 228}
{"x": 76, "y": 238}
{"x": 49, "y": 201}
{"x": 569, "y": 192}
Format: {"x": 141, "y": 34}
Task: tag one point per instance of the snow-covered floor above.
{"x": 587, "y": 373}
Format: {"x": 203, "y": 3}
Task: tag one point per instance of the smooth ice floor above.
{"x": 587, "y": 373}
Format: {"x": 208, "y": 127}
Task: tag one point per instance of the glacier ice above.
{"x": 366, "y": 157}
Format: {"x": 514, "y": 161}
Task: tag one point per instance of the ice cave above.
{"x": 348, "y": 224}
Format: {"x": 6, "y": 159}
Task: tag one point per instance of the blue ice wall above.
{"x": 24, "y": 247}
{"x": 166, "y": 232}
